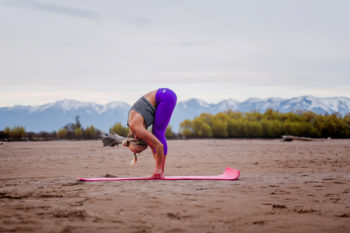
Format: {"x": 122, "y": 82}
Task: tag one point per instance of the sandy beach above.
{"x": 284, "y": 187}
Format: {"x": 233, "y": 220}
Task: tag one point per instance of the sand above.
{"x": 284, "y": 187}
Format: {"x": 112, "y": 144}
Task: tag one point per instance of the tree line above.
{"x": 71, "y": 131}
{"x": 271, "y": 124}
{"x": 228, "y": 124}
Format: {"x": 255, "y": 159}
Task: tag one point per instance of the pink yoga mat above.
{"x": 229, "y": 174}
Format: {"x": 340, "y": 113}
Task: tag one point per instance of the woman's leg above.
{"x": 166, "y": 101}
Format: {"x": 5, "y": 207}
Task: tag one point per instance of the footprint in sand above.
{"x": 260, "y": 222}
{"x": 304, "y": 211}
{"x": 277, "y": 206}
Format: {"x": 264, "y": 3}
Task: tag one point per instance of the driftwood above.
{"x": 115, "y": 139}
{"x": 289, "y": 138}
{"x": 112, "y": 140}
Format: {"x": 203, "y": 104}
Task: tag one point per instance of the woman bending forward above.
{"x": 154, "y": 108}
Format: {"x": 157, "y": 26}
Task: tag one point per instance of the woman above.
{"x": 155, "y": 108}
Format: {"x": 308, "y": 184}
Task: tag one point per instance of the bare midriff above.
{"x": 136, "y": 118}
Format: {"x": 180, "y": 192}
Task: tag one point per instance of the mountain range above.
{"x": 52, "y": 116}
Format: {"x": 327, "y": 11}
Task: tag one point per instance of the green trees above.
{"x": 76, "y": 131}
{"x": 187, "y": 128}
{"x": 119, "y": 129}
{"x": 229, "y": 124}
{"x": 271, "y": 124}
{"x": 169, "y": 132}
{"x": 62, "y": 133}
{"x": 15, "y": 133}
{"x": 200, "y": 127}
{"x": 91, "y": 132}
{"x": 69, "y": 131}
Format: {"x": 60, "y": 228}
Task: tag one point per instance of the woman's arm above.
{"x": 164, "y": 159}
{"x": 154, "y": 143}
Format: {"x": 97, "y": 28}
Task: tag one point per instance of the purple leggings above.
{"x": 165, "y": 104}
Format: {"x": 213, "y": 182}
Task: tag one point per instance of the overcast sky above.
{"x": 103, "y": 51}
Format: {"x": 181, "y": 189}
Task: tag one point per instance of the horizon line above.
{"x": 192, "y": 98}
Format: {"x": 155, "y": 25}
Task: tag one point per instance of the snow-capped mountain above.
{"x": 315, "y": 104}
{"x": 259, "y": 105}
{"x": 52, "y": 116}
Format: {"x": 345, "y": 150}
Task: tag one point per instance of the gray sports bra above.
{"x": 146, "y": 109}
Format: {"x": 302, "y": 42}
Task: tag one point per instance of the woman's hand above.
{"x": 156, "y": 146}
{"x": 158, "y": 174}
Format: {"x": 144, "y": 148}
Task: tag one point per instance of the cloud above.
{"x": 134, "y": 20}
{"x": 54, "y": 8}
{"x": 275, "y": 48}
{"x": 194, "y": 43}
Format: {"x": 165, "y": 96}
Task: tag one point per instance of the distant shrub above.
{"x": 78, "y": 133}
{"x": 186, "y": 128}
{"x": 119, "y": 129}
{"x": 69, "y": 131}
{"x": 169, "y": 132}
{"x": 7, "y": 132}
{"x": 271, "y": 124}
{"x": 17, "y": 133}
{"x": 219, "y": 128}
{"x": 92, "y": 133}
{"x": 62, "y": 133}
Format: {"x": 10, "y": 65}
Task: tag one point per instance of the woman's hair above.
{"x": 135, "y": 146}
